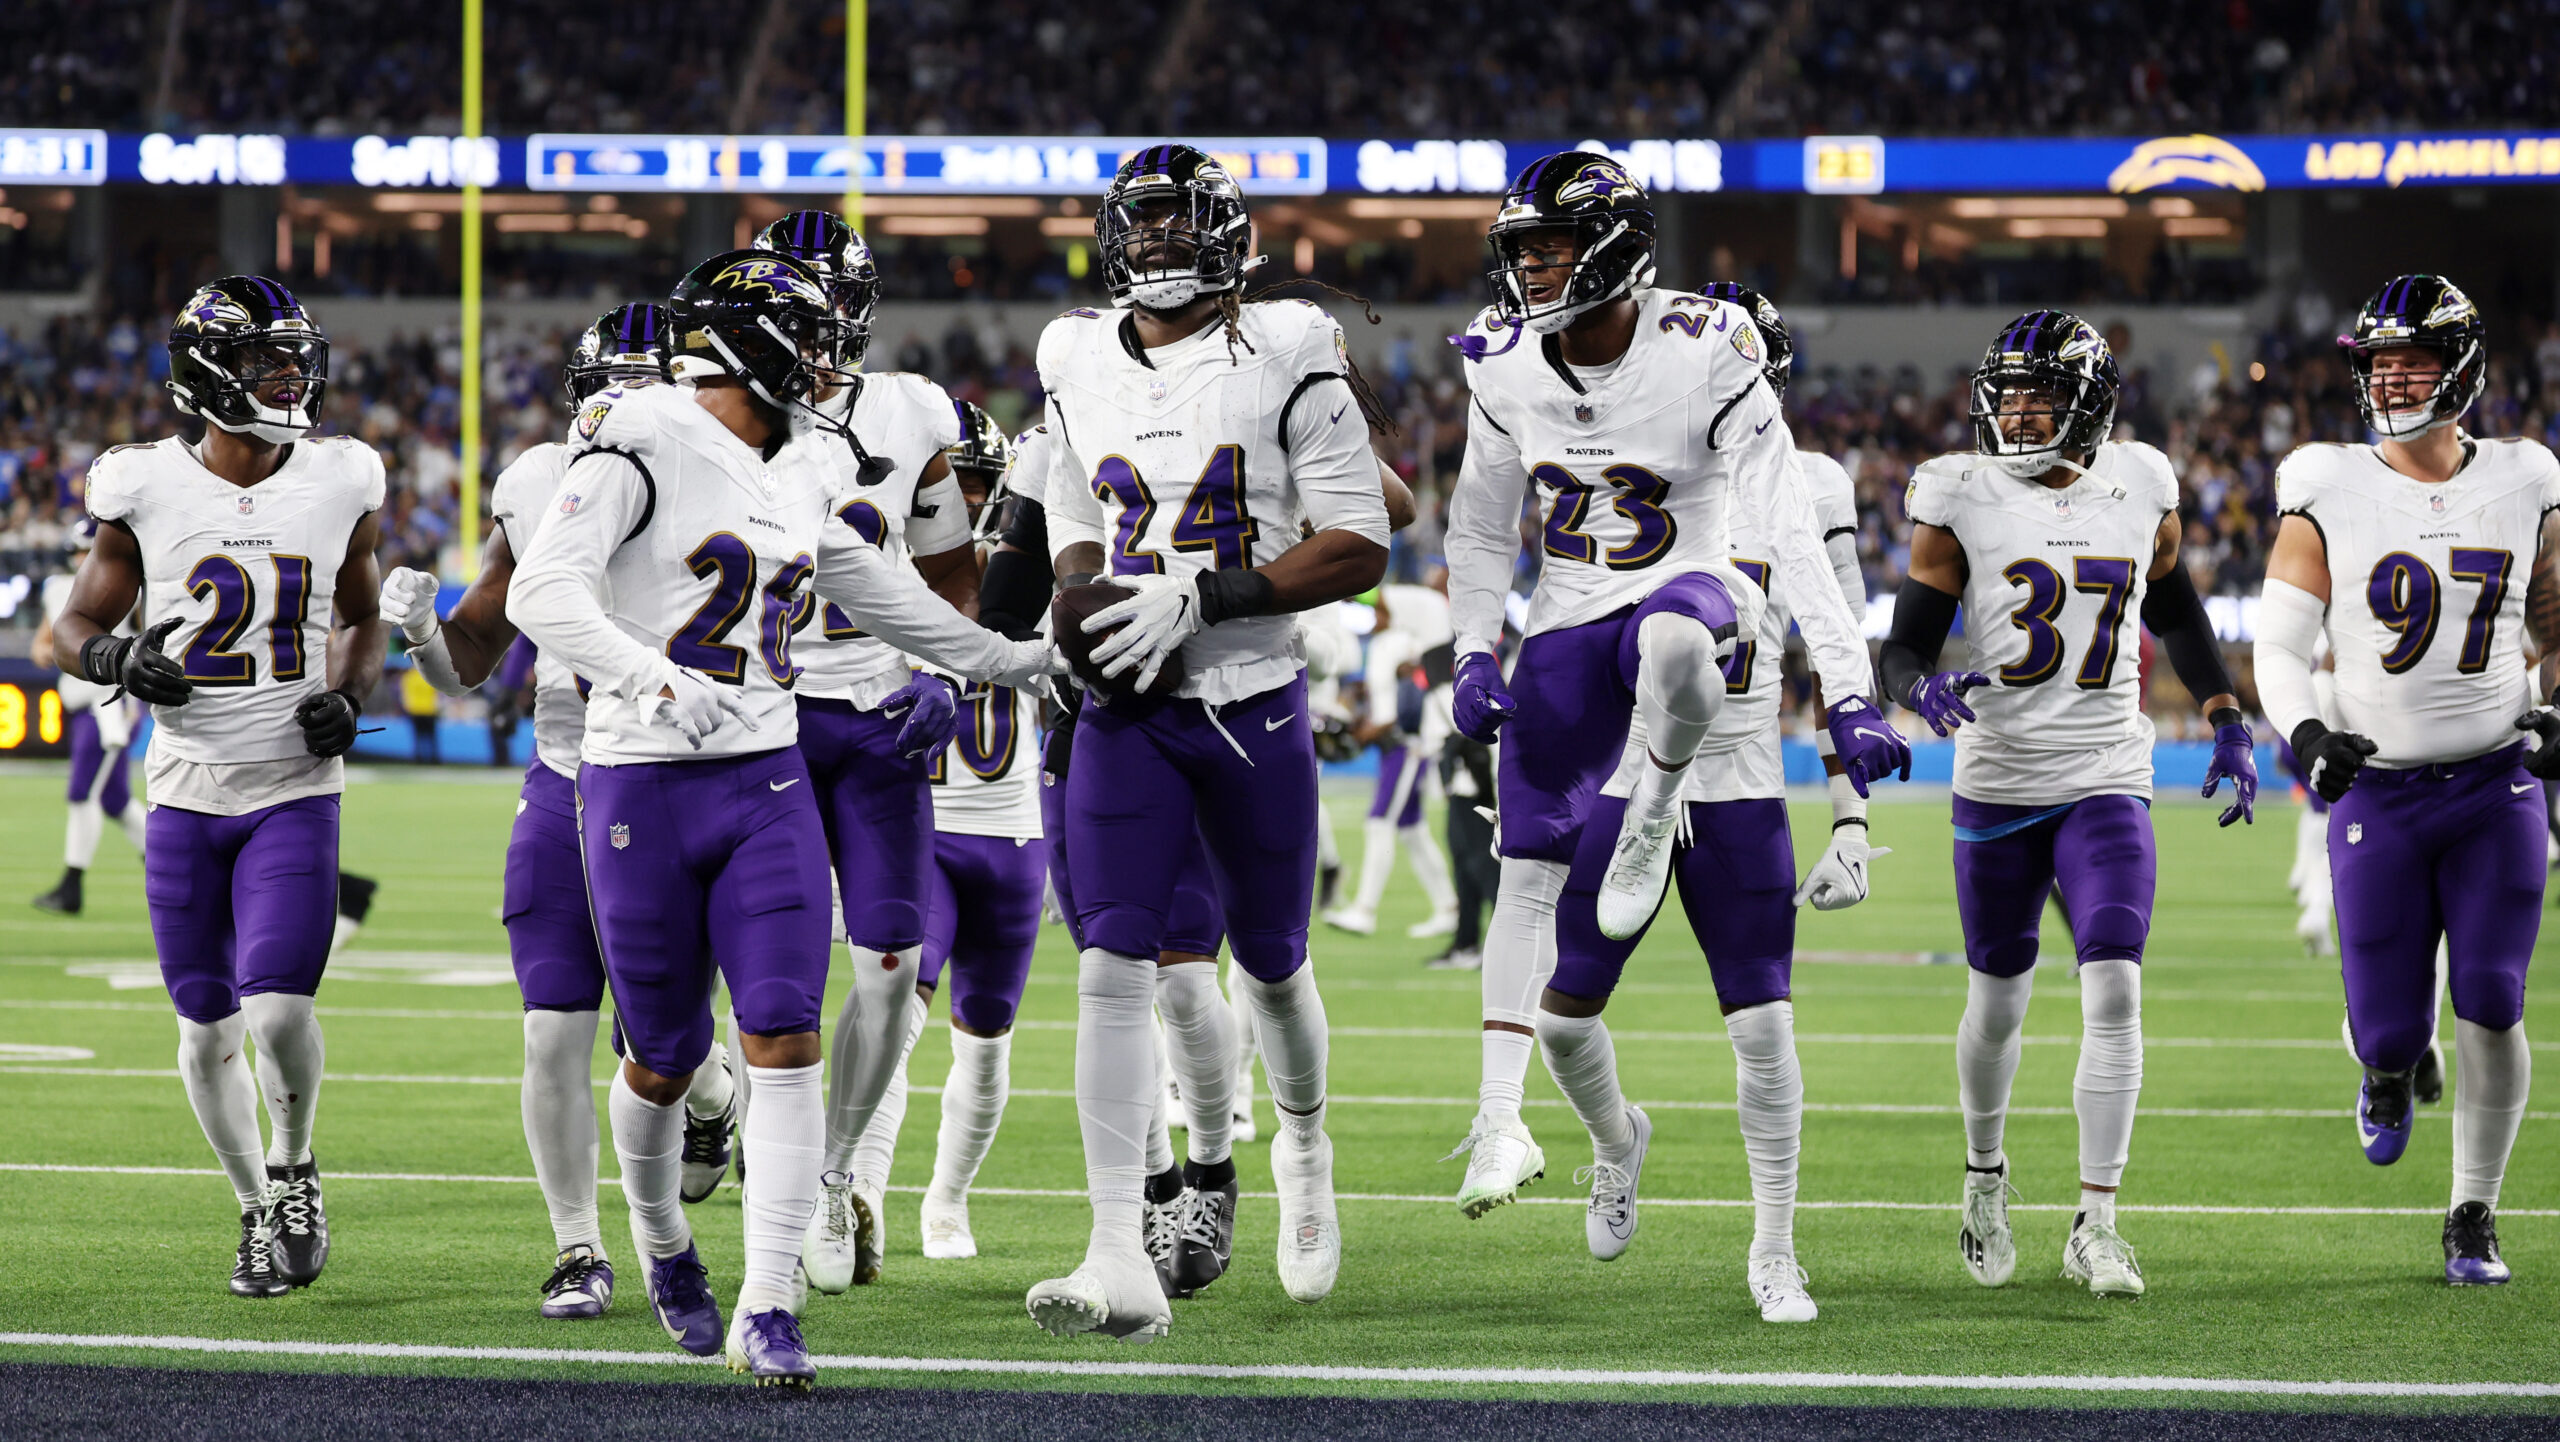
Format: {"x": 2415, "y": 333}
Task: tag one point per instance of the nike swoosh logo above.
{"x": 782, "y": 785}
{"x": 1337, "y": 415}
{"x": 1283, "y": 721}
{"x": 1764, "y": 425}
{"x": 1866, "y": 731}
{"x": 2520, "y": 790}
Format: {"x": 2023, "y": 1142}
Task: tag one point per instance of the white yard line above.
{"x": 1462, "y": 1376}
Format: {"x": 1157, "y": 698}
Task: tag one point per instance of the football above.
{"x": 1067, "y": 616}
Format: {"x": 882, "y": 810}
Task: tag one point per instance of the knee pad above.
{"x": 2110, "y": 993}
{"x": 2112, "y": 933}
{"x": 1679, "y": 663}
{"x": 988, "y": 1016}
{"x": 1113, "y": 977}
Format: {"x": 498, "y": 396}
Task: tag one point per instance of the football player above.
{"x": 244, "y": 546}
{"x": 1735, "y": 862}
{"x": 1413, "y": 621}
{"x": 1639, "y": 421}
{"x": 689, "y": 528}
{"x": 2057, "y": 543}
{"x": 2435, "y": 816}
{"x": 871, "y": 725}
{"x": 550, "y": 936}
{"x": 1191, "y": 436}
{"x": 98, "y": 730}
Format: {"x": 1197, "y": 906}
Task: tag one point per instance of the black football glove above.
{"x": 2330, "y": 759}
{"x": 137, "y": 664}
{"x": 2544, "y": 759}
{"x": 328, "y": 722}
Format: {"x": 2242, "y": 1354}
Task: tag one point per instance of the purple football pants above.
{"x": 697, "y": 864}
{"x": 88, "y": 758}
{"x": 981, "y": 921}
{"x": 1737, "y": 880}
{"x": 1195, "y": 926}
{"x": 551, "y": 934}
{"x": 241, "y": 904}
{"x": 2096, "y": 853}
{"x": 1399, "y": 792}
{"x": 877, "y": 808}
{"x": 2451, "y": 851}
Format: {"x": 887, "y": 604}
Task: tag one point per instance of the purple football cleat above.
{"x": 2384, "y": 1113}
{"x": 766, "y": 1345}
{"x": 2471, "y": 1247}
{"x": 581, "y": 1286}
{"x": 680, "y": 1293}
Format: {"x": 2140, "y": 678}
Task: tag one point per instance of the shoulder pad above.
{"x": 1935, "y": 484}
{"x": 2307, "y": 473}
{"x": 622, "y": 419}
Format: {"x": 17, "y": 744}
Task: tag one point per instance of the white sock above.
{"x": 973, "y": 1098}
{"x": 290, "y": 1057}
{"x": 1160, "y": 1115}
{"x": 714, "y": 1084}
{"x": 2097, "y": 1204}
{"x": 2109, "y": 1080}
{"x": 2310, "y": 853}
{"x": 1247, "y": 1047}
{"x": 1584, "y": 1062}
{"x": 867, "y": 1046}
{"x": 216, "y": 1071}
{"x": 2493, "y": 1070}
{"x": 135, "y": 824}
{"x": 1198, "y": 1041}
{"x": 1429, "y": 866}
{"x": 1377, "y": 863}
{"x": 1117, "y": 1089}
{"x": 560, "y": 1120}
{"x": 1679, "y": 689}
{"x": 648, "y": 1139}
{"x": 1289, "y": 1015}
{"x": 784, "y": 1133}
{"x": 879, "y": 1144}
{"x": 1769, "y": 1092}
{"x": 1519, "y": 958}
{"x": 1328, "y": 851}
{"x": 80, "y": 833}
{"x": 341, "y": 931}
{"x": 1987, "y": 1046}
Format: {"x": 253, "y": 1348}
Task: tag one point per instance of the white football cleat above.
{"x": 947, "y": 1237}
{"x": 1610, "y": 1224}
{"x": 1989, "y": 1252}
{"x": 1438, "y": 923}
{"x": 2312, "y": 929}
{"x": 1310, "y": 1251}
{"x": 1777, "y": 1284}
{"x": 1500, "y": 1162}
{"x": 1639, "y": 870}
{"x": 1352, "y": 919}
{"x": 1109, "y": 1295}
{"x": 2101, "y": 1260}
{"x": 1240, "y": 1127}
{"x": 842, "y": 1246}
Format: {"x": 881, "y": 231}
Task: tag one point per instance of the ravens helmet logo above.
{"x": 1603, "y": 180}
{"x": 771, "y": 277}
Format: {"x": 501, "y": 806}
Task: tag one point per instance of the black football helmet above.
{"x": 2420, "y": 310}
{"x": 2054, "y": 360}
{"x": 983, "y": 458}
{"x": 1777, "y": 348}
{"x": 1172, "y": 199}
{"x": 763, "y": 318}
{"x": 626, "y": 344}
{"x": 822, "y": 241}
{"x": 1612, "y": 223}
{"x": 236, "y": 336}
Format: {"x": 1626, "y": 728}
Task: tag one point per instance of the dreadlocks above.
{"x": 1372, "y": 409}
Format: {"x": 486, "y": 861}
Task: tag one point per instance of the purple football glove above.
{"x": 1868, "y": 748}
{"x": 2235, "y": 754}
{"x": 1939, "y": 699}
{"x": 1478, "y": 702}
{"x": 932, "y": 707}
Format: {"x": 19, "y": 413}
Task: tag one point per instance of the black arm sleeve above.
{"x": 1922, "y": 616}
{"x": 2175, "y": 613}
{"x": 1014, "y": 592}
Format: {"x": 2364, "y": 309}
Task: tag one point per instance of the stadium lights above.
{"x": 2104, "y": 207}
{"x": 1479, "y": 212}
{"x": 2202, "y": 227}
{"x": 2057, "y": 229}
{"x": 930, "y": 224}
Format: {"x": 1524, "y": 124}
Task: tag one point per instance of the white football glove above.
{"x": 1035, "y": 666}
{"x": 1839, "y": 879}
{"x": 409, "y": 602}
{"x": 1164, "y": 613}
{"x": 698, "y": 706}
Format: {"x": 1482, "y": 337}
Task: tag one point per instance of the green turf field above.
{"x": 2244, "y": 1109}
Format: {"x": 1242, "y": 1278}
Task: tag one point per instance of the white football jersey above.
{"x": 1206, "y": 455}
{"x": 1639, "y": 474}
{"x": 2427, "y": 591}
{"x": 1419, "y": 624}
{"x": 253, "y": 573}
{"x": 673, "y": 543}
{"x": 78, "y": 692}
{"x": 986, "y": 782}
{"x": 905, "y": 420}
{"x": 2053, "y": 609}
{"x": 518, "y": 502}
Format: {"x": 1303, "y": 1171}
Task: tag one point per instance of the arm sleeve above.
{"x": 1074, "y": 511}
{"x": 1770, "y": 478}
{"x": 1330, "y": 461}
{"x": 1484, "y": 531}
{"x": 893, "y": 603}
{"x": 2289, "y": 623}
{"x": 552, "y": 597}
{"x": 1922, "y": 616}
{"x": 939, "y": 519}
{"x": 2175, "y": 614}
{"x": 1019, "y": 577}
{"x": 1843, "y": 551}
{"x": 434, "y": 661}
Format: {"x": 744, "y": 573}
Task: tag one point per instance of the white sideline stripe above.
{"x": 1063, "y": 1094}
{"x": 1480, "y": 1376}
{"x": 1393, "y": 1197}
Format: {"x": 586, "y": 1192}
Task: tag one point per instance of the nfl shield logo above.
{"x": 2355, "y": 832}
{"x": 1582, "y": 413}
{"x": 246, "y": 503}
{"x": 621, "y": 834}
{"x": 1155, "y": 390}
{"x": 2435, "y": 503}
{"x": 2062, "y": 507}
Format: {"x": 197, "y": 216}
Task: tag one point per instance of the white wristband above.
{"x": 1846, "y": 803}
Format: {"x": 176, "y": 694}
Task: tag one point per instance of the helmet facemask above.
{"x": 2028, "y": 419}
{"x": 1610, "y": 259}
{"x": 2448, "y": 396}
{"x": 1166, "y": 247}
{"x": 267, "y": 385}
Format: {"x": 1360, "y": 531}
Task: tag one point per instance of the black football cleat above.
{"x": 1328, "y": 885}
{"x": 355, "y": 896}
{"x": 2427, "y": 1082}
{"x": 253, "y": 1271}
{"x": 1204, "y": 1238}
{"x": 706, "y": 1153}
{"x": 301, "y": 1227}
{"x": 2471, "y": 1247}
{"x": 65, "y": 897}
